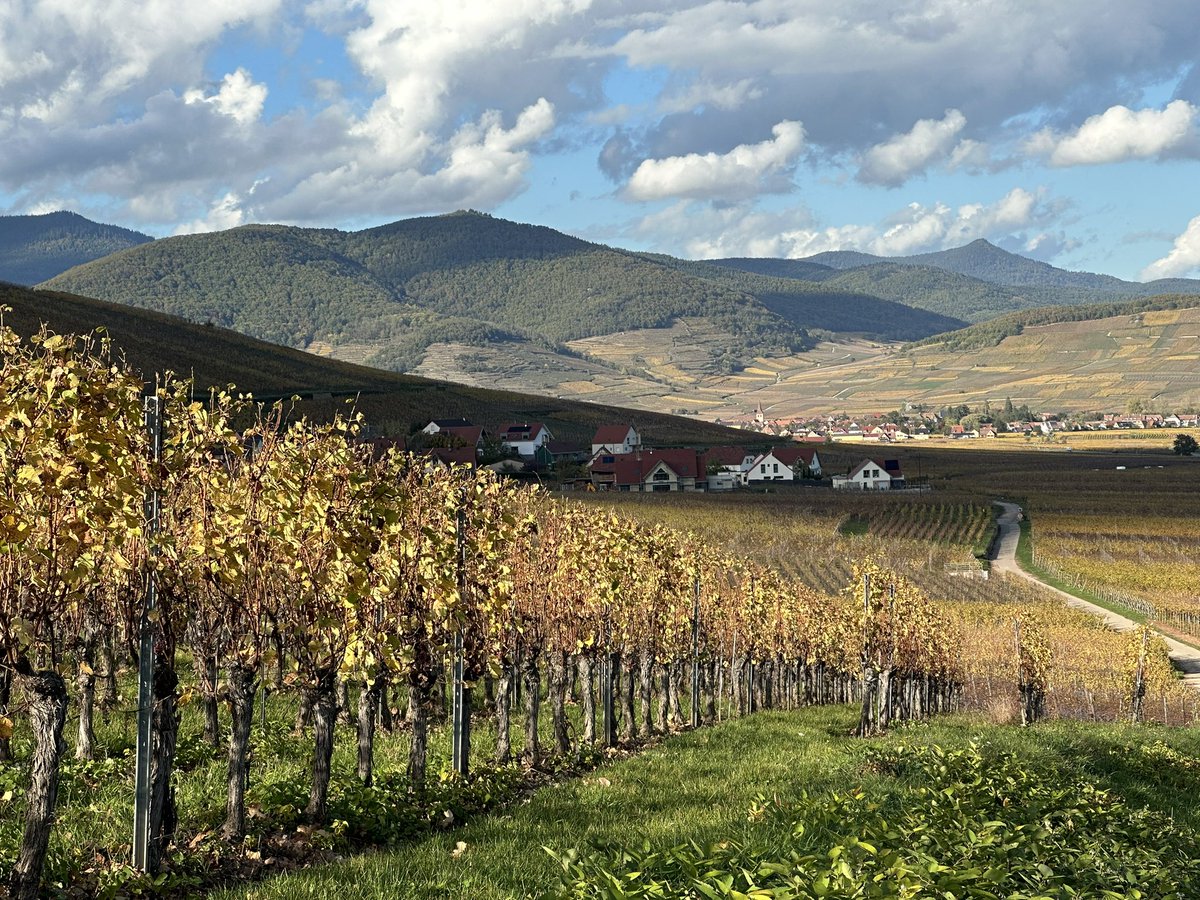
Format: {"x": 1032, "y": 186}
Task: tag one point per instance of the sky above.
{"x": 1067, "y": 131}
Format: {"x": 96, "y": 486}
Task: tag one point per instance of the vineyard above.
{"x": 967, "y": 523}
{"x": 232, "y": 554}
{"x": 183, "y": 577}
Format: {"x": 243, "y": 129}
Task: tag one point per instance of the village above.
{"x": 618, "y": 460}
{"x": 952, "y": 422}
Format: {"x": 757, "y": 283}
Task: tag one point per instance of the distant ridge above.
{"x": 36, "y": 248}
{"x": 388, "y": 293}
{"x": 985, "y": 261}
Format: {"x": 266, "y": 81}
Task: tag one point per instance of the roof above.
{"x": 468, "y": 434}
{"x": 633, "y": 468}
{"x": 890, "y": 466}
{"x": 521, "y": 431}
{"x": 443, "y": 424}
{"x": 557, "y": 448}
{"x": 789, "y": 456}
{"x": 611, "y": 434}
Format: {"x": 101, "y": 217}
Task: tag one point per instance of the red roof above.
{"x": 633, "y": 468}
{"x": 467, "y": 434}
{"x": 611, "y": 434}
{"x": 789, "y": 456}
{"x": 522, "y": 431}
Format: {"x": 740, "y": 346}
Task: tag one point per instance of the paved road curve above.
{"x": 1185, "y": 658}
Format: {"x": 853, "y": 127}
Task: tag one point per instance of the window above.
{"x": 776, "y": 467}
{"x": 608, "y": 459}
{"x": 662, "y": 476}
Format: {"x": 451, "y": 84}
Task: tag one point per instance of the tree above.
{"x": 1185, "y": 445}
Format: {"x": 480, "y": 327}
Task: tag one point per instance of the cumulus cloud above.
{"x": 238, "y": 97}
{"x": 1184, "y": 258}
{"x": 896, "y": 160}
{"x": 746, "y": 170}
{"x": 1119, "y": 134}
{"x": 702, "y": 231}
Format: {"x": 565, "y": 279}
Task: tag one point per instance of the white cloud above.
{"x": 702, "y": 231}
{"x": 1119, "y": 134}
{"x": 718, "y": 96}
{"x": 226, "y": 213}
{"x": 742, "y": 172}
{"x": 896, "y": 160}
{"x": 1184, "y": 258}
{"x": 238, "y": 97}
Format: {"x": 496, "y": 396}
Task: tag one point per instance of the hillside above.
{"x": 1053, "y": 360}
{"x": 383, "y": 295}
{"x": 36, "y": 248}
{"x": 397, "y": 404}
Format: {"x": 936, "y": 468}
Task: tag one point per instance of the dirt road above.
{"x": 1185, "y": 658}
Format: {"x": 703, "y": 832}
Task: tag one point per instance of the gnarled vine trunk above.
{"x": 368, "y": 711}
{"x": 557, "y": 683}
{"x": 243, "y": 683}
{"x": 587, "y": 680}
{"x": 165, "y": 732}
{"x": 628, "y": 689}
{"x": 325, "y": 715}
{"x": 532, "y": 681}
{"x": 47, "y": 693}
{"x": 503, "y": 714}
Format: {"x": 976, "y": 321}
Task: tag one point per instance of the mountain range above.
{"x": 474, "y": 298}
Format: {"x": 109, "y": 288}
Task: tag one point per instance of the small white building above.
{"x": 871, "y": 475}
{"x": 525, "y": 438}
{"x": 783, "y": 464}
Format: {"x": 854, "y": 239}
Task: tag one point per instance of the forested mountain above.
{"x": 465, "y": 277}
{"x": 392, "y": 403}
{"x": 35, "y": 248}
{"x": 987, "y": 262}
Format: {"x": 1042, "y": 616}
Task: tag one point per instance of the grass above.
{"x": 699, "y": 786}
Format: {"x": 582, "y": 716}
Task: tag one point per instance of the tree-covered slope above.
{"x": 153, "y": 342}
{"x": 36, "y": 248}
{"x": 823, "y": 304}
{"x": 471, "y": 278}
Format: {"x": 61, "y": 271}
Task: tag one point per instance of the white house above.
{"x": 783, "y": 464}
{"x": 614, "y": 439}
{"x": 525, "y": 438}
{"x": 872, "y": 475}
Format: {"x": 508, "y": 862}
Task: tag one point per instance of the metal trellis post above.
{"x": 696, "y": 655}
{"x": 460, "y": 709}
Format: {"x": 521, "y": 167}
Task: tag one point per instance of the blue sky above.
{"x": 1068, "y": 131}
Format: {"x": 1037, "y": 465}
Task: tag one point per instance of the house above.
{"x": 650, "y": 470}
{"x": 524, "y": 438}
{"x": 438, "y": 425}
{"x": 613, "y": 439}
{"x": 554, "y": 453}
{"x": 726, "y": 467}
{"x": 460, "y": 436}
{"x": 872, "y": 475}
{"x": 783, "y": 464}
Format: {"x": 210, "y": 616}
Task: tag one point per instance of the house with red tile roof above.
{"x": 613, "y": 439}
{"x": 650, "y": 470}
{"x": 524, "y": 438}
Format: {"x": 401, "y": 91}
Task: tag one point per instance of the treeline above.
{"x": 291, "y": 553}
